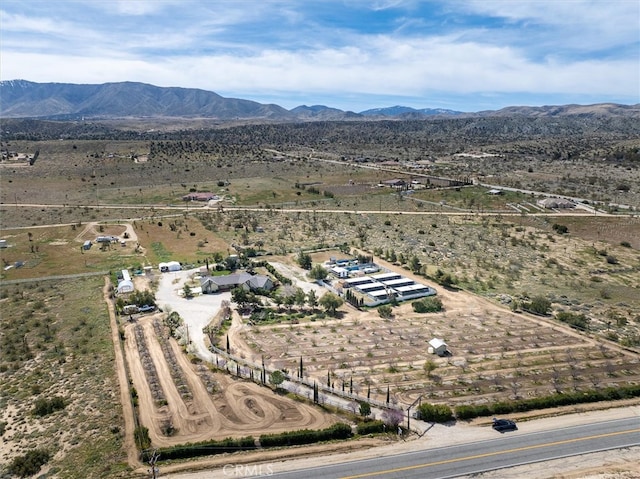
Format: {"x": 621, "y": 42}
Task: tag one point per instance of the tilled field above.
{"x": 180, "y": 402}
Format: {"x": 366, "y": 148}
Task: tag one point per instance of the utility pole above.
{"x": 419, "y": 400}
{"x": 152, "y": 462}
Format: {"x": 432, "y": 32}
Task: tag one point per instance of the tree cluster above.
{"x": 44, "y": 407}
{"x": 29, "y": 463}
{"x": 435, "y": 413}
{"x": 430, "y": 304}
{"x": 538, "y": 305}
{"x": 575, "y": 320}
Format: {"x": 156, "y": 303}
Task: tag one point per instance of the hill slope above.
{"x": 25, "y": 99}
{"x": 21, "y": 98}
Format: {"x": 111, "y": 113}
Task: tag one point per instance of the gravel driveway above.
{"x": 196, "y": 312}
{"x": 298, "y": 278}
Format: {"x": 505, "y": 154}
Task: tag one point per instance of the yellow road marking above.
{"x": 488, "y": 454}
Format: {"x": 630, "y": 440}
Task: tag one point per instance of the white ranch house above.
{"x": 215, "y": 284}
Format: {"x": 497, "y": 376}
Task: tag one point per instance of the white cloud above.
{"x": 18, "y": 23}
{"x": 386, "y": 66}
{"x": 277, "y": 46}
{"x": 136, "y": 7}
{"x": 578, "y": 24}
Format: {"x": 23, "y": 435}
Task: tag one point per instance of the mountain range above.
{"x": 66, "y": 101}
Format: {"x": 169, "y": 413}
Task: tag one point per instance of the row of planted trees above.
{"x": 289, "y": 296}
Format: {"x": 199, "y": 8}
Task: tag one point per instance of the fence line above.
{"x": 52, "y": 278}
{"x": 242, "y": 371}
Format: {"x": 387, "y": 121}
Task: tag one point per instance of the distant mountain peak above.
{"x": 26, "y": 99}
{"x": 400, "y": 110}
{"x": 125, "y": 99}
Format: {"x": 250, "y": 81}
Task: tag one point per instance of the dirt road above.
{"x": 125, "y": 394}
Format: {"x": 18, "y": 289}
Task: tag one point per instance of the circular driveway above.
{"x": 196, "y": 312}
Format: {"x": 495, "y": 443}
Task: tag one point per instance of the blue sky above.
{"x": 464, "y": 55}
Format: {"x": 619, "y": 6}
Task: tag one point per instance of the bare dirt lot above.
{"x": 182, "y": 402}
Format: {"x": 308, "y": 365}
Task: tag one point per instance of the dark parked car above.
{"x": 504, "y": 425}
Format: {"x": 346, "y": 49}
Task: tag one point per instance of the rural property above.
{"x": 180, "y": 289}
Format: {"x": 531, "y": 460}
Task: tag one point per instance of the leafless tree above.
{"x": 556, "y": 380}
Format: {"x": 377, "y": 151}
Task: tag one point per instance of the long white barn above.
{"x": 384, "y": 287}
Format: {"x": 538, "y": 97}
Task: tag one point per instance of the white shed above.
{"x": 438, "y": 346}
{"x": 340, "y": 272}
{"x": 125, "y": 286}
{"x": 169, "y": 266}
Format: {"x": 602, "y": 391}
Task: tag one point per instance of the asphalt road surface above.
{"x": 508, "y": 449}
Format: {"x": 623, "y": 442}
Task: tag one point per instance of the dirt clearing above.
{"x": 181, "y": 402}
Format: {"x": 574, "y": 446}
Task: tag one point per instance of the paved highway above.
{"x": 509, "y": 449}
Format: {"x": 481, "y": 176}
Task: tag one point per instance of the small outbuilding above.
{"x": 394, "y": 183}
{"x": 200, "y": 196}
{"x": 438, "y": 346}
{"x": 125, "y": 285}
{"x": 106, "y": 239}
{"x": 553, "y": 203}
{"x": 169, "y": 266}
{"x": 340, "y": 272}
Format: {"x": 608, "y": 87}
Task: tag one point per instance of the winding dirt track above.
{"x": 236, "y": 409}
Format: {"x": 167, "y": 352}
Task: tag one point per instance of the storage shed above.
{"x": 438, "y": 346}
{"x": 340, "y": 272}
{"x": 170, "y": 266}
{"x": 125, "y": 285}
